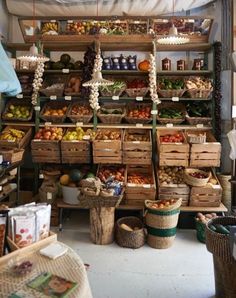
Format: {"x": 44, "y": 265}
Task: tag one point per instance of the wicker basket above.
{"x": 132, "y": 120}
{"x": 79, "y": 117}
{"x": 54, "y": 105}
{"x": 51, "y": 80}
{"x": 130, "y": 239}
{"x": 137, "y": 92}
{"x": 77, "y": 77}
{"x": 111, "y": 118}
{"x": 199, "y": 93}
{"x": 170, "y": 106}
{"x": 196, "y": 138}
{"x": 198, "y": 120}
{"x": 171, "y": 93}
{"x": 18, "y": 102}
{"x": 105, "y": 93}
{"x": 195, "y": 181}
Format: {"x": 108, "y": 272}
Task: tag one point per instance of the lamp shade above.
{"x": 173, "y": 38}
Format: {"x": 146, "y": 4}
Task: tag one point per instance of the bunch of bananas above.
{"x": 49, "y": 27}
{"x": 12, "y": 135}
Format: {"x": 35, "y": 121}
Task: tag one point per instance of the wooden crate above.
{"x": 54, "y": 215}
{"x": 172, "y": 154}
{"x": 206, "y": 154}
{"x": 75, "y": 151}
{"x": 136, "y": 194}
{"x": 45, "y": 151}
{"x": 18, "y": 144}
{"x": 207, "y": 196}
{"x": 108, "y": 151}
{"x": 174, "y": 191}
{"x": 137, "y": 152}
{"x": 12, "y": 155}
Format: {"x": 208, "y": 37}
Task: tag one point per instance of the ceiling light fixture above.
{"x": 173, "y": 38}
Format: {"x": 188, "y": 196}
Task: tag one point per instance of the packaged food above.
{"x": 3, "y": 224}
{"x": 24, "y": 229}
{"x": 43, "y": 216}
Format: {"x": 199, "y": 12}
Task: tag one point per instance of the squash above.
{"x": 144, "y": 65}
{"x": 64, "y": 180}
{"x": 75, "y": 175}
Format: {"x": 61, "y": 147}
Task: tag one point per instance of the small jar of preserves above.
{"x": 166, "y": 64}
{"x": 181, "y": 64}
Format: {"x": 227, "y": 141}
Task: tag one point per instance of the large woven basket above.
{"x": 195, "y": 181}
{"x": 105, "y": 93}
{"x": 131, "y": 239}
{"x": 79, "y": 118}
{"x": 137, "y": 92}
{"x": 21, "y": 103}
{"x": 198, "y": 120}
{"x": 111, "y": 118}
{"x": 199, "y": 93}
{"x": 54, "y": 105}
{"x": 133, "y": 120}
{"x": 171, "y": 93}
{"x": 172, "y": 105}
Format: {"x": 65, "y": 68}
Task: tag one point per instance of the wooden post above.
{"x": 102, "y": 225}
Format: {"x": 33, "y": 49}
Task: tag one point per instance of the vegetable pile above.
{"x": 197, "y": 109}
{"x": 171, "y": 84}
{"x": 113, "y": 89}
{"x": 136, "y": 84}
{"x": 170, "y": 175}
{"x": 137, "y": 178}
{"x": 204, "y": 218}
{"x": 175, "y": 138}
{"x": 199, "y": 83}
{"x": 170, "y": 113}
{"x": 163, "y": 204}
{"x": 107, "y": 111}
{"x": 141, "y": 113}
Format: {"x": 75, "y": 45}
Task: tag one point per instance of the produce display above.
{"x": 87, "y": 27}
{"x": 49, "y": 133}
{"x": 22, "y": 268}
{"x": 221, "y": 229}
{"x": 171, "y": 175}
{"x": 171, "y": 84}
{"x": 49, "y": 28}
{"x": 107, "y": 173}
{"x": 196, "y": 109}
{"x": 49, "y": 111}
{"x": 199, "y": 83}
{"x": 26, "y": 83}
{"x": 162, "y": 204}
{"x": 172, "y": 113}
{"x": 118, "y": 27}
{"x": 73, "y": 178}
{"x": 137, "y": 27}
{"x": 175, "y": 138}
{"x": 73, "y": 86}
{"x": 142, "y": 112}
{"x": 137, "y": 84}
{"x": 78, "y": 134}
{"x": 199, "y": 175}
{"x": 204, "y": 218}
{"x": 111, "y": 111}
{"x": 12, "y": 135}
{"x": 80, "y": 110}
{"x": 115, "y": 89}
{"x": 108, "y": 134}
{"x": 138, "y": 178}
{"x": 132, "y": 137}
{"x": 17, "y": 111}
{"x": 64, "y": 62}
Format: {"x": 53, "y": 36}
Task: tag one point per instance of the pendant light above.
{"x": 173, "y": 38}
{"x": 33, "y": 55}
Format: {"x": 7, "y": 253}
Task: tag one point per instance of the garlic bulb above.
{"x": 152, "y": 80}
{"x": 37, "y": 82}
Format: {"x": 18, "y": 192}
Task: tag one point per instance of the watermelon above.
{"x": 75, "y": 175}
{"x": 90, "y": 175}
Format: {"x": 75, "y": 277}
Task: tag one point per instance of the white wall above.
{"x": 4, "y": 18}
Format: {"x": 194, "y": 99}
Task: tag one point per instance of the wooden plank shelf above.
{"x": 124, "y": 72}
{"x": 221, "y": 208}
{"x": 29, "y": 124}
{"x": 184, "y": 72}
{"x": 192, "y": 47}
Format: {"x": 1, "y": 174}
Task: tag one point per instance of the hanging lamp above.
{"x": 173, "y": 38}
{"x": 33, "y": 55}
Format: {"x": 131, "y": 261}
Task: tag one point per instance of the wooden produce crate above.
{"x": 16, "y": 144}
{"x": 20, "y": 103}
{"x": 174, "y": 191}
{"x": 206, "y": 154}
{"x": 75, "y": 151}
{"x": 207, "y": 196}
{"x": 135, "y": 193}
{"x": 172, "y": 154}
{"x": 45, "y": 151}
{"x": 108, "y": 151}
{"x": 12, "y": 155}
{"x": 137, "y": 152}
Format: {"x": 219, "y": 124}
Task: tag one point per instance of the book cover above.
{"x": 52, "y": 285}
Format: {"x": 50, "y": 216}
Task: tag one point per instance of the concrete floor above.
{"x": 182, "y": 271}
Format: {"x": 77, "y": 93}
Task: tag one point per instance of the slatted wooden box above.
{"x": 45, "y": 151}
{"x": 135, "y": 193}
{"x": 174, "y": 191}
{"x": 75, "y": 151}
{"x": 137, "y": 152}
{"x": 20, "y": 144}
{"x": 108, "y": 151}
{"x": 172, "y": 154}
{"x": 205, "y": 154}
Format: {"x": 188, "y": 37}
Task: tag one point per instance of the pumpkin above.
{"x": 144, "y": 65}
{"x": 64, "y": 180}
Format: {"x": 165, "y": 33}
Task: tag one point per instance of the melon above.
{"x": 90, "y": 175}
{"x": 75, "y": 175}
{"x": 65, "y": 179}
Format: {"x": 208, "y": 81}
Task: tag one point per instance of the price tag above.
{"x": 37, "y": 108}
{"x": 131, "y": 184}
{"x": 48, "y": 123}
{"x": 216, "y": 186}
{"x": 86, "y": 137}
{"x": 169, "y": 125}
{"x": 136, "y": 22}
{"x": 154, "y": 112}
{"x": 70, "y": 21}
{"x": 67, "y": 97}
{"x": 146, "y": 185}
{"x": 233, "y": 111}
{"x": 79, "y": 124}
{"x": 175, "y": 98}
{"x": 10, "y": 141}
{"x": 0, "y": 187}
{"x": 74, "y": 141}
{"x": 37, "y": 140}
{"x": 53, "y": 21}
{"x": 115, "y": 97}
{"x": 107, "y": 141}
{"x": 139, "y": 98}
{"x": 49, "y": 196}
{"x": 136, "y": 142}
{"x": 65, "y": 70}
{"x": 41, "y": 176}
{"x": 19, "y": 96}
{"x": 53, "y": 97}
{"x": 139, "y": 125}
{"x": 199, "y": 125}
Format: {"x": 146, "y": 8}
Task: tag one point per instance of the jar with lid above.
{"x": 181, "y": 64}
{"x": 166, "y": 64}
{"x": 199, "y": 63}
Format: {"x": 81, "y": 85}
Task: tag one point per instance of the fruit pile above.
{"x": 110, "y": 111}
{"x": 137, "y": 84}
{"x": 163, "y": 204}
{"x": 78, "y": 134}
{"x": 23, "y": 268}
{"x": 81, "y": 110}
{"x": 106, "y": 134}
{"x": 138, "y": 28}
{"x": 171, "y": 175}
{"x": 137, "y": 137}
{"x": 73, "y": 178}
{"x": 198, "y": 175}
{"x": 12, "y": 135}
{"x": 65, "y": 62}
{"x": 175, "y": 138}
{"x": 137, "y": 178}
{"x": 73, "y": 85}
{"x": 143, "y": 112}
{"x": 49, "y": 111}
{"x": 87, "y": 27}
{"x": 106, "y": 173}
{"x": 118, "y": 27}
{"x": 49, "y": 28}
{"x": 204, "y": 218}
{"x": 49, "y": 133}
{"x": 18, "y": 111}
{"x": 114, "y": 89}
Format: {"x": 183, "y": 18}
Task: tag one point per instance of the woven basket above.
{"x": 51, "y": 80}
{"x": 79, "y": 117}
{"x": 161, "y": 225}
{"x": 54, "y": 105}
{"x": 200, "y": 228}
{"x": 172, "y": 105}
{"x": 131, "y": 239}
{"x": 195, "y": 181}
{"x": 18, "y": 102}
{"x": 111, "y": 118}
{"x": 226, "y": 187}
{"x": 198, "y": 120}
{"x": 196, "y": 138}
{"x": 105, "y": 93}
{"x": 133, "y": 120}
{"x": 199, "y": 93}
{"x": 67, "y": 83}
{"x": 137, "y": 92}
{"x": 170, "y": 93}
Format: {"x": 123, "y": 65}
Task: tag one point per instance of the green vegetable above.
{"x": 117, "y": 86}
{"x": 213, "y": 228}
{"x": 198, "y": 109}
{"x": 221, "y": 229}
{"x": 170, "y": 113}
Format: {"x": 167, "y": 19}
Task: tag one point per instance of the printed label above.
{"x": 139, "y": 98}
{"x": 139, "y": 125}
{"x": 169, "y": 125}
{"x": 53, "y": 97}
{"x": 19, "y": 96}
{"x": 65, "y": 70}
{"x": 175, "y": 98}
{"x": 67, "y": 97}
{"x": 115, "y": 97}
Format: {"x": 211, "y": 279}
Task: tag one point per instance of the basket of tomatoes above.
{"x": 139, "y": 113}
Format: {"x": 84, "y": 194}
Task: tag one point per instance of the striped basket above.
{"x": 161, "y": 225}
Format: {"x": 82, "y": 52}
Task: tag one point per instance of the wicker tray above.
{"x": 171, "y": 105}
{"x": 111, "y": 118}
{"x": 195, "y": 181}
{"x": 137, "y": 92}
{"x": 54, "y": 105}
{"x": 198, "y": 120}
{"x": 199, "y": 93}
{"x": 79, "y": 117}
{"x": 18, "y": 102}
{"x": 51, "y": 80}
{"x": 105, "y": 93}
{"x": 132, "y": 120}
{"x": 171, "y": 93}
{"x": 196, "y": 138}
